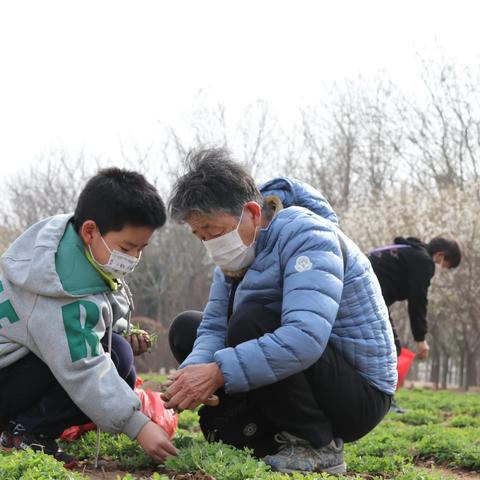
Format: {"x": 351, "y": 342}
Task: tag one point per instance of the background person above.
{"x": 405, "y": 270}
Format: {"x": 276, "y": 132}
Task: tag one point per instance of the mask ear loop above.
{"x": 238, "y": 226}
{"x": 105, "y": 243}
{"x": 240, "y": 221}
{"x": 91, "y": 253}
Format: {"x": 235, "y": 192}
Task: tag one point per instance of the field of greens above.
{"x": 438, "y": 437}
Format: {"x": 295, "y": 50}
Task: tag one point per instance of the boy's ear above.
{"x": 88, "y": 231}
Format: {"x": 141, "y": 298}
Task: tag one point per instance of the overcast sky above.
{"x": 92, "y": 74}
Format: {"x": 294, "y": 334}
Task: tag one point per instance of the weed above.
{"x": 30, "y": 465}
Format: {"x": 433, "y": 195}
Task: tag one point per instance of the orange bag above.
{"x": 403, "y": 365}
{"x": 152, "y": 406}
{"x": 75, "y": 432}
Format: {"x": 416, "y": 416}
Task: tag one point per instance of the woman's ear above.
{"x": 87, "y": 231}
{"x": 256, "y": 210}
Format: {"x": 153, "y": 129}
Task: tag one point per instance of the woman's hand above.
{"x": 191, "y": 386}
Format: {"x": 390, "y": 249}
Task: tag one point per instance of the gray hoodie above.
{"x": 55, "y": 304}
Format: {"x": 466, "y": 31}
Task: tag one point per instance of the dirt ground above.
{"x": 108, "y": 470}
{"x": 458, "y": 473}
{"x": 111, "y": 472}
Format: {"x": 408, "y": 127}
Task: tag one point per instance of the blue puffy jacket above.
{"x": 299, "y": 273}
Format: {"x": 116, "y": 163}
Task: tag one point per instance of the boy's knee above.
{"x": 122, "y": 355}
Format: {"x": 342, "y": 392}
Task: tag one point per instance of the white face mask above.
{"x": 229, "y": 252}
{"x": 119, "y": 263}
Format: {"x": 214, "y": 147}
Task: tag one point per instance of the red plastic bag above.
{"x": 72, "y": 433}
{"x": 152, "y": 406}
{"x": 403, "y": 365}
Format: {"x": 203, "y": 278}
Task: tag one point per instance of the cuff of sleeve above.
{"x": 235, "y": 379}
{"x": 120, "y": 326}
{"x": 419, "y": 339}
{"x": 134, "y": 424}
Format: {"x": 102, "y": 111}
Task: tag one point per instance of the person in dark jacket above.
{"x": 404, "y": 271}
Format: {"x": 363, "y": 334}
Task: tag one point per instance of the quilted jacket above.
{"x": 321, "y": 297}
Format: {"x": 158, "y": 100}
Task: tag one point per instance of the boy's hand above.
{"x": 140, "y": 342}
{"x": 155, "y": 442}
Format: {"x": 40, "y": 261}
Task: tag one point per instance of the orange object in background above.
{"x": 404, "y": 363}
{"x": 152, "y": 406}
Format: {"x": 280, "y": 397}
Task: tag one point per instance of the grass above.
{"x": 440, "y": 428}
{"x": 31, "y": 465}
{"x": 153, "y": 377}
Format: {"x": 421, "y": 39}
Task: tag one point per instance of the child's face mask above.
{"x": 119, "y": 263}
{"x": 229, "y": 252}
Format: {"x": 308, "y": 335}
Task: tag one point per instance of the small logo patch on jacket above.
{"x": 250, "y": 429}
{"x": 303, "y": 264}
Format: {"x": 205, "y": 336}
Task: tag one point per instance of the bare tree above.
{"x": 353, "y": 142}
{"x": 444, "y": 127}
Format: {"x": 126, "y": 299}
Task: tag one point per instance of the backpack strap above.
{"x": 388, "y": 248}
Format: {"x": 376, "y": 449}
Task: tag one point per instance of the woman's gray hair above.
{"x": 213, "y": 184}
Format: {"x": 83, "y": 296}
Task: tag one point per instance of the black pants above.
{"x": 329, "y": 399}
{"x": 396, "y": 338}
{"x": 31, "y": 395}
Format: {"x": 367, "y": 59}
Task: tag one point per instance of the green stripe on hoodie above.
{"x": 77, "y": 275}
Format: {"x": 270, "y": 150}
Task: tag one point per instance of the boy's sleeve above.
{"x": 67, "y": 337}
{"x": 213, "y": 327}
{"x": 121, "y": 325}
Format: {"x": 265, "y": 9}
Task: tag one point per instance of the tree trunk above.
{"x": 435, "y": 371}
{"x": 445, "y": 362}
{"x": 462, "y": 369}
{"x": 471, "y": 371}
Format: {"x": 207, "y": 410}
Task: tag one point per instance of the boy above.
{"x": 61, "y": 294}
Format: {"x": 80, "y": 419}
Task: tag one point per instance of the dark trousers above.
{"x": 329, "y": 399}
{"x": 31, "y": 395}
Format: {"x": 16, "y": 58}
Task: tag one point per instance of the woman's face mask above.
{"x": 229, "y": 252}
{"x": 119, "y": 263}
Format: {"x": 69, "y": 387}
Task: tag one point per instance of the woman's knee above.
{"x": 183, "y": 332}
{"x": 249, "y": 322}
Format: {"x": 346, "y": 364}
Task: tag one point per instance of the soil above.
{"x": 452, "y": 472}
{"x": 110, "y": 471}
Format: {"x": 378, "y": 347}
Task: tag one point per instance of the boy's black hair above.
{"x": 114, "y": 198}
{"x": 451, "y": 249}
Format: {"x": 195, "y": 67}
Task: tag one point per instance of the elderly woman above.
{"x": 295, "y": 338}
